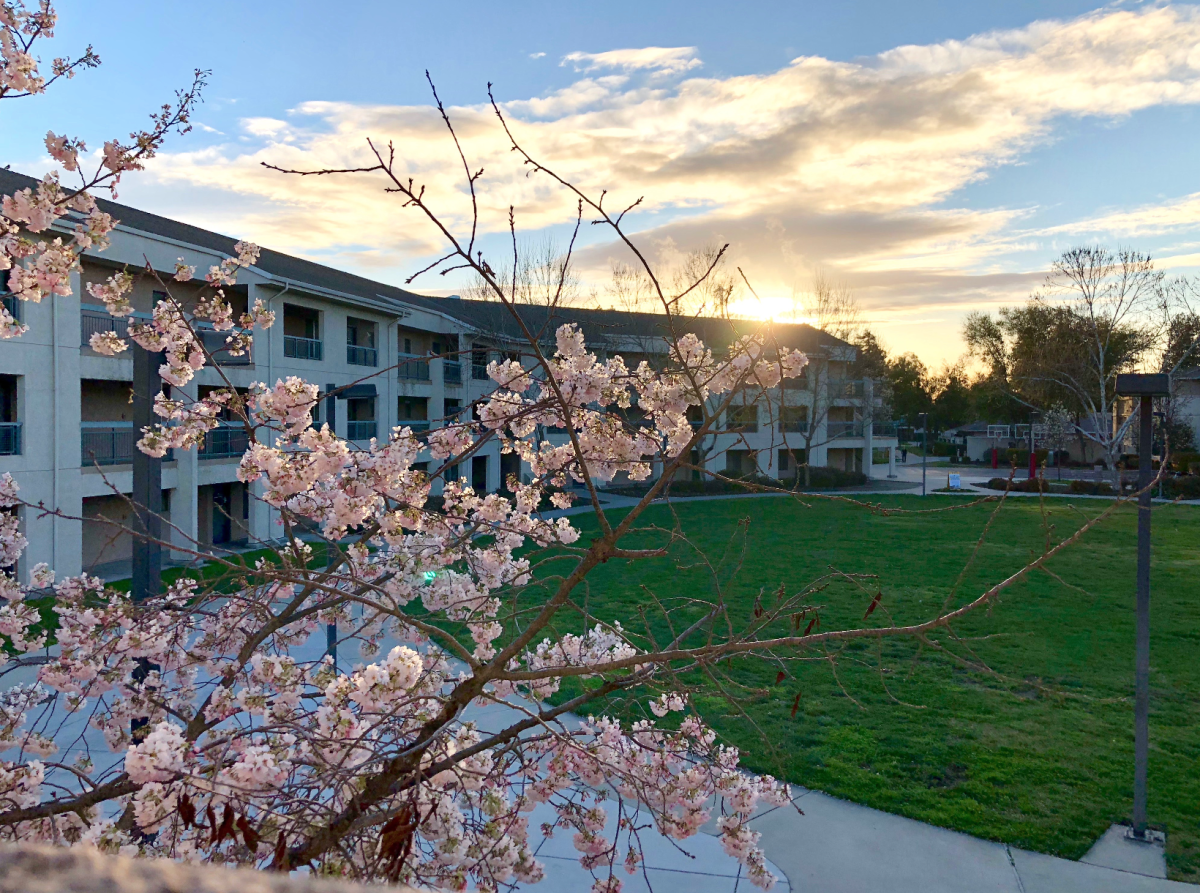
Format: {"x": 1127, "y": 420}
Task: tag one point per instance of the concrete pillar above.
{"x": 67, "y": 535}
{"x": 184, "y": 530}
{"x": 891, "y": 462}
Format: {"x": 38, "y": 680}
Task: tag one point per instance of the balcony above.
{"x": 419, "y": 426}
{"x": 411, "y": 367}
{"x": 794, "y": 426}
{"x": 452, "y": 373}
{"x": 361, "y": 356}
{"x": 224, "y": 442}
{"x": 884, "y": 429}
{"x": 106, "y": 443}
{"x": 302, "y": 348}
{"x": 10, "y": 438}
{"x": 214, "y": 343}
{"x": 13, "y": 305}
{"x": 362, "y": 431}
{"x": 844, "y": 430}
{"x": 93, "y": 322}
{"x": 847, "y": 390}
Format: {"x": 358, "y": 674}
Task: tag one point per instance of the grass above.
{"x": 1041, "y": 756}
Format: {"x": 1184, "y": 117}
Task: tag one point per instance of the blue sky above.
{"x": 935, "y": 156}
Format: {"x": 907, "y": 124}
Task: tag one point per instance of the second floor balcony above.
{"x": 361, "y": 356}
{"x": 452, "y": 373}
{"x": 106, "y": 443}
{"x": 361, "y": 431}
{"x": 10, "y": 438}
{"x": 411, "y": 367}
{"x": 225, "y": 442}
{"x": 844, "y": 430}
{"x": 299, "y": 348}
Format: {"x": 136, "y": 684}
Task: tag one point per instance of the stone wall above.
{"x": 40, "y": 869}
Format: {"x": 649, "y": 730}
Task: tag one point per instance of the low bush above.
{"x": 1183, "y": 487}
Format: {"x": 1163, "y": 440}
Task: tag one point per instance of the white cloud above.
{"x": 668, "y": 60}
{"x": 846, "y": 164}
{"x": 536, "y": 55}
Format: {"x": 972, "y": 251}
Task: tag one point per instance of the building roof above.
{"x": 612, "y": 326}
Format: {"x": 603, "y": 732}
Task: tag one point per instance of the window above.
{"x": 360, "y": 342}
{"x": 479, "y": 474}
{"x": 360, "y": 419}
{"x": 793, "y": 419}
{"x": 788, "y": 462}
{"x": 301, "y": 332}
{"x": 452, "y": 409}
{"x": 743, "y": 418}
{"x": 10, "y": 428}
{"x": 479, "y": 364}
{"x": 408, "y": 345}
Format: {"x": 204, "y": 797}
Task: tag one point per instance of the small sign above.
{"x": 956, "y": 482}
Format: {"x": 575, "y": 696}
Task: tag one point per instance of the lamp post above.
{"x": 924, "y": 448}
{"x": 1145, "y": 387}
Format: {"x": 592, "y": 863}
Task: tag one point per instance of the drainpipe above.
{"x": 55, "y": 421}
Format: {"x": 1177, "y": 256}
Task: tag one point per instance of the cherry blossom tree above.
{"x": 227, "y": 737}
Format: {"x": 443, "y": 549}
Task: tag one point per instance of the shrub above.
{"x": 1183, "y": 487}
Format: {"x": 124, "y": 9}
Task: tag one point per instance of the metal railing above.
{"x": 793, "y": 426}
{"x": 92, "y": 322}
{"x": 361, "y": 431}
{"x": 884, "y": 429}
{"x": 839, "y": 430}
{"x": 847, "y": 389}
{"x": 412, "y": 367}
{"x": 451, "y": 372}
{"x": 361, "y": 356}
{"x": 225, "y": 442}
{"x": 214, "y": 343}
{"x": 302, "y": 348}
{"x": 106, "y": 444}
{"x": 418, "y": 425}
{"x": 479, "y": 372}
{"x": 10, "y": 438}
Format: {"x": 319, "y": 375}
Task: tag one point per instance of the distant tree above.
{"x": 952, "y": 403}
{"x": 1095, "y": 319}
{"x": 909, "y": 383}
{"x": 544, "y": 275}
{"x": 703, "y": 284}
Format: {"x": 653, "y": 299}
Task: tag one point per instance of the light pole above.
{"x": 924, "y": 417}
{"x": 1146, "y": 388}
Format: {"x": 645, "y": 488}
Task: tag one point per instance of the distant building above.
{"x": 396, "y": 358}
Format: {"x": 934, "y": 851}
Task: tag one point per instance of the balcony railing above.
{"x": 841, "y": 430}
{"x": 10, "y": 438}
{"x": 884, "y": 429}
{"x": 412, "y": 367}
{"x": 106, "y": 443}
{"x": 479, "y": 371}
{"x": 92, "y": 322}
{"x": 361, "y": 431}
{"x": 451, "y": 373}
{"x": 225, "y": 442}
{"x": 847, "y": 390}
{"x": 793, "y": 426}
{"x": 361, "y": 356}
{"x": 419, "y": 426}
{"x": 302, "y": 348}
{"x": 214, "y": 343}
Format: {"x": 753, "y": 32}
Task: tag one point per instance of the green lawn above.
{"x": 1041, "y": 758}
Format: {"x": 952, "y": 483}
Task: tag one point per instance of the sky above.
{"x": 933, "y": 156}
